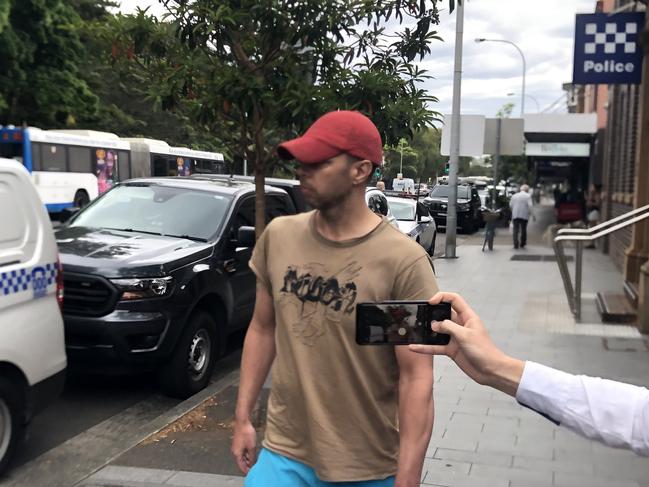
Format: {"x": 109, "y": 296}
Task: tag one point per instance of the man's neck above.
{"x": 351, "y": 219}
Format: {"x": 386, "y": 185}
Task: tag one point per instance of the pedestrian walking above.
{"x": 337, "y": 412}
{"x": 613, "y": 413}
{"x": 521, "y": 206}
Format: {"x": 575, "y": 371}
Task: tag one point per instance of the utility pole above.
{"x": 494, "y": 198}
{"x": 451, "y": 213}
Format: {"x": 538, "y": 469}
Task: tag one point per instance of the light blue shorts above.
{"x": 274, "y": 470}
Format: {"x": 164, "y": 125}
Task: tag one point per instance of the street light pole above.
{"x": 454, "y": 160}
{"x": 482, "y": 39}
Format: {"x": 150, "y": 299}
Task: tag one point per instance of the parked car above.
{"x": 468, "y": 206}
{"x": 291, "y": 186}
{"x": 32, "y": 348}
{"x": 156, "y": 274}
{"x": 415, "y": 221}
{"x": 378, "y": 203}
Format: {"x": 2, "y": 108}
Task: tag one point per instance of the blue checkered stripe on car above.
{"x": 37, "y": 278}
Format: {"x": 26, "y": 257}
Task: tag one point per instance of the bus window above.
{"x": 12, "y": 150}
{"x": 36, "y": 156}
{"x": 160, "y": 166}
{"x": 79, "y": 159}
{"x": 124, "y": 165}
{"x": 53, "y": 157}
{"x": 205, "y": 166}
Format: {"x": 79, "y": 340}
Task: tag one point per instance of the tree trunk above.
{"x": 260, "y": 171}
{"x": 260, "y": 195}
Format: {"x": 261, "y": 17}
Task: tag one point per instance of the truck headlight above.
{"x": 153, "y": 287}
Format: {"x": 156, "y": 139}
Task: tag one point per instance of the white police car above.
{"x": 32, "y": 348}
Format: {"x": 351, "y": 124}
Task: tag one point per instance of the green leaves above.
{"x": 40, "y": 56}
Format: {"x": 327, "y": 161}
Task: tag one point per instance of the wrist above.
{"x": 505, "y": 375}
{"x": 241, "y": 416}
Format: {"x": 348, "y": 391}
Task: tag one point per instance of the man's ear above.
{"x": 362, "y": 172}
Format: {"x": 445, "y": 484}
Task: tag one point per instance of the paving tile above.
{"x": 572, "y": 480}
{"x": 636, "y": 468}
{"x": 442, "y": 472}
{"x": 542, "y": 465}
{"x": 490, "y": 444}
{"x": 496, "y": 459}
{"x": 468, "y": 482}
{"x": 516, "y": 413}
{"x": 488, "y": 473}
{"x": 469, "y": 430}
{"x": 454, "y": 443}
{"x": 194, "y": 479}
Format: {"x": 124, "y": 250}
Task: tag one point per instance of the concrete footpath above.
{"x": 481, "y": 437}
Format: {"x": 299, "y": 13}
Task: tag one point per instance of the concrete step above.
{"x": 615, "y": 308}
{"x": 631, "y": 293}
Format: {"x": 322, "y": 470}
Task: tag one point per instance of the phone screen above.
{"x": 400, "y": 323}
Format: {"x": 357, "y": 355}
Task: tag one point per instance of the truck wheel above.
{"x": 192, "y": 362}
{"x": 11, "y": 424}
{"x": 81, "y": 198}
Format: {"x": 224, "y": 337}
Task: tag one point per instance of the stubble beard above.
{"x": 330, "y": 201}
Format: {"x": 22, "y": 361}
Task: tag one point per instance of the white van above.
{"x": 32, "y": 345}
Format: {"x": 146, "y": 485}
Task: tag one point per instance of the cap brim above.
{"x": 307, "y": 150}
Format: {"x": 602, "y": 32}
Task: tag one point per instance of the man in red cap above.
{"x": 337, "y": 412}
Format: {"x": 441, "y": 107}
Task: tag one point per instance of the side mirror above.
{"x": 424, "y": 219}
{"x": 68, "y": 213}
{"x": 246, "y": 237}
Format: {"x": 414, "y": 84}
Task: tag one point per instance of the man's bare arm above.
{"x": 258, "y": 356}
{"x": 416, "y": 414}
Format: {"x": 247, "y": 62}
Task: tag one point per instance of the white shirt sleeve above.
{"x": 613, "y": 413}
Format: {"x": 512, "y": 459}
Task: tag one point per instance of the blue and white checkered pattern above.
{"x": 612, "y": 38}
{"x": 21, "y": 280}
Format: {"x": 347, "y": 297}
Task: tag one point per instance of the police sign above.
{"x": 607, "y": 48}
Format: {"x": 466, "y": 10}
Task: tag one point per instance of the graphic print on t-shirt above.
{"x": 318, "y": 297}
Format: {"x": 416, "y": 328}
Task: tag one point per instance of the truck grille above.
{"x": 88, "y": 295}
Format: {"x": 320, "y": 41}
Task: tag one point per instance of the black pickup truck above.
{"x": 156, "y": 276}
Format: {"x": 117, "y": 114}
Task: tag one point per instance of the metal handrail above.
{"x": 601, "y": 226}
{"x": 587, "y": 235}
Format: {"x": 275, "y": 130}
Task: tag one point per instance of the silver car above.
{"x": 414, "y": 220}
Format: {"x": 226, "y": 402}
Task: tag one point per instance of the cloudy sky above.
{"x": 491, "y": 70}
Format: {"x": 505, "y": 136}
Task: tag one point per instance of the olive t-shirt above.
{"x": 334, "y": 404}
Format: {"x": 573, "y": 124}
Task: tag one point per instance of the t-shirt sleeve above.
{"x": 259, "y": 260}
{"x": 416, "y": 281}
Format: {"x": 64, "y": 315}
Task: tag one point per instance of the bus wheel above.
{"x": 81, "y": 198}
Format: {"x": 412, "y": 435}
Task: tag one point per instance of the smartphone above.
{"x": 400, "y": 323}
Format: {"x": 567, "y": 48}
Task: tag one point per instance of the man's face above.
{"x": 328, "y": 183}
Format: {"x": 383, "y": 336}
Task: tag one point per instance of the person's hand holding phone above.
{"x": 472, "y": 349}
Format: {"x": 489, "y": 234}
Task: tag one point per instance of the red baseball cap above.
{"x": 335, "y": 133}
